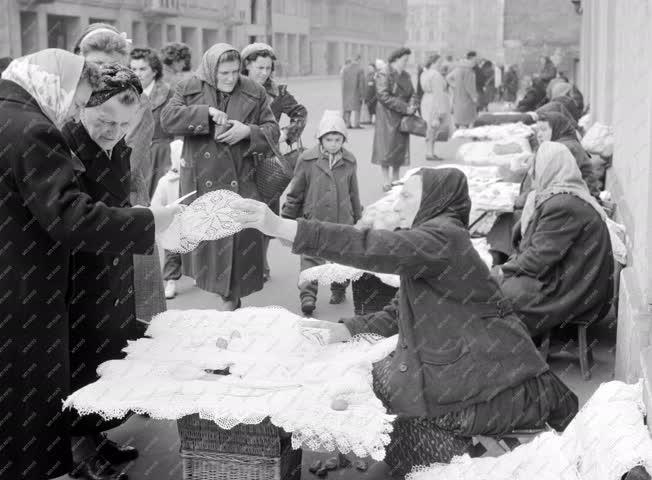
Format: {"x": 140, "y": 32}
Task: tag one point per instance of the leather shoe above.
{"x": 114, "y": 453}
{"x": 96, "y": 468}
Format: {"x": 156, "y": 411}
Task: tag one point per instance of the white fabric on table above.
{"x": 604, "y": 441}
{"x": 277, "y": 369}
{"x": 496, "y": 132}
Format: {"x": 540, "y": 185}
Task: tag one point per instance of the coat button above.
{"x": 234, "y": 183}
{"x": 191, "y": 127}
{"x": 208, "y": 184}
{"x": 130, "y": 290}
{"x": 404, "y": 346}
{"x": 402, "y": 367}
{"x": 207, "y": 155}
{"x": 117, "y": 302}
{"x": 198, "y": 128}
{"x": 116, "y": 261}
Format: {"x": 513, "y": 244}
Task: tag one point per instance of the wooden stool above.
{"x": 504, "y": 443}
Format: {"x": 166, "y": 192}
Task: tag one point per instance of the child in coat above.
{"x": 167, "y": 192}
{"x": 324, "y": 187}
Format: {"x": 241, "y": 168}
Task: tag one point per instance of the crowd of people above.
{"x": 99, "y": 146}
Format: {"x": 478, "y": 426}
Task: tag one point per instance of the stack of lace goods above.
{"x": 606, "y": 440}
{"x": 329, "y": 273}
{"x": 181, "y": 371}
{"x": 495, "y": 132}
{"x": 482, "y": 247}
{"x": 494, "y": 197}
{"x": 209, "y": 217}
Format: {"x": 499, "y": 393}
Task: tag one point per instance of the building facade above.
{"x": 504, "y": 31}
{"x": 310, "y": 36}
{"x": 619, "y": 89}
{"x": 343, "y": 29}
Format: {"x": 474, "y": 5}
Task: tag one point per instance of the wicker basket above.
{"x": 371, "y": 295}
{"x": 245, "y": 452}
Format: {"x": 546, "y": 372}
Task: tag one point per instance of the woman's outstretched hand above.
{"x": 254, "y": 214}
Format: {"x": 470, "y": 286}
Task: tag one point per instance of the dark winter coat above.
{"x": 465, "y": 93}
{"x": 102, "y": 309}
{"x": 44, "y": 218}
{"x": 319, "y": 193}
{"x": 534, "y": 97}
{"x": 160, "y": 151}
{"x": 395, "y": 93}
{"x": 510, "y": 85}
{"x": 353, "y": 87}
{"x": 370, "y": 93}
{"x": 562, "y": 270}
{"x": 231, "y": 267}
{"x": 457, "y": 342}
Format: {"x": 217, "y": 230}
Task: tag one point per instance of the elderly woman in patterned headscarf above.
{"x": 46, "y": 216}
{"x": 102, "y": 307}
{"x": 225, "y": 119}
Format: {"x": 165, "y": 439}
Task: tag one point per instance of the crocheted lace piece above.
{"x": 333, "y": 272}
{"x": 276, "y": 368}
{"x": 604, "y": 441}
{"x": 506, "y": 131}
{"x": 209, "y": 217}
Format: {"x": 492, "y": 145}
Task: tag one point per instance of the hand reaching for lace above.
{"x": 254, "y": 214}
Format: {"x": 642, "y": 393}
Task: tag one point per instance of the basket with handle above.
{"x": 244, "y": 452}
{"x": 273, "y": 173}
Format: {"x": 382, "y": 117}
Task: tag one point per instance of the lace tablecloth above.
{"x": 606, "y": 439}
{"x": 277, "y": 368}
{"x": 495, "y": 132}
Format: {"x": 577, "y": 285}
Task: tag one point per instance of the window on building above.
{"x": 171, "y": 33}
{"x": 209, "y": 38}
{"x": 154, "y": 35}
{"x": 28, "y": 32}
{"x": 62, "y": 31}
{"x": 253, "y": 6}
{"x": 101, "y": 20}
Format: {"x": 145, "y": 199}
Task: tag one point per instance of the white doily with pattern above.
{"x": 505, "y": 131}
{"x": 333, "y": 272}
{"x": 209, "y": 217}
{"x": 604, "y": 441}
{"x": 243, "y": 366}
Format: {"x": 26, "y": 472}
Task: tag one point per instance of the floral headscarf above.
{"x": 114, "y": 78}
{"x": 207, "y": 71}
{"x": 555, "y": 172}
{"x": 50, "y": 77}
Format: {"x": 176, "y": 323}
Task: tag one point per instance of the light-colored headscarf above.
{"x": 207, "y": 70}
{"x": 555, "y": 172}
{"x": 50, "y": 77}
{"x": 560, "y": 89}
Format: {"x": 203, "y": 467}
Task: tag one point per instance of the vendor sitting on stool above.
{"x": 562, "y": 270}
{"x": 464, "y": 363}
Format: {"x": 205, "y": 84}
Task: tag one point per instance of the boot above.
{"x": 308, "y": 305}
{"x": 96, "y": 468}
{"x": 114, "y": 453}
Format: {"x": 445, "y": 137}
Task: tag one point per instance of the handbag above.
{"x": 272, "y": 173}
{"x": 414, "y": 125}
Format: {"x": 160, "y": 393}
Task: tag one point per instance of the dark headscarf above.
{"x": 445, "y": 192}
{"x": 562, "y": 126}
{"x": 556, "y": 107}
{"x": 571, "y": 106}
{"x": 114, "y": 79}
{"x": 398, "y": 53}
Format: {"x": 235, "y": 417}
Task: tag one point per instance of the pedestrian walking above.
{"x": 258, "y": 63}
{"x": 225, "y": 118}
{"x": 465, "y": 93}
{"x": 435, "y": 104}
{"x": 548, "y": 70}
{"x": 353, "y": 92}
{"x": 510, "y": 84}
{"x": 166, "y": 193}
{"x": 370, "y": 98}
{"x": 396, "y": 98}
{"x": 324, "y": 187}
{"x": 149, "y": 68}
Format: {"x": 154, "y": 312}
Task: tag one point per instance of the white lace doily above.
{"x": 604, "y": 441}
{"x": 495, "y": 132}
{"x": 332, "y": 272}
{"x": 277, "y": 368}
{"x": 209, "y": 217}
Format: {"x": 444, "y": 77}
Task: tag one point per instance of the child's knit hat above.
{"x": 332, "y": 121}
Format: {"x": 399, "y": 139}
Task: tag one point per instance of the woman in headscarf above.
{"x": 562, "y": 270}
{"x": 46, "y": 216}
{"x": 102, "y": 43}
{"x": 570, "y": 96}
{"x": 535, "y": 96}
{"x": 258, "y": 60}
{"x": 464, "y": 364}
{"x": 396, "y": 98}
{"x": 555, "y": 106}
{"x": 102, "y": 309}
{"x": 225, "y": 119}
{"x": 548, "y": 70}
{"x": 556, "y": 127}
